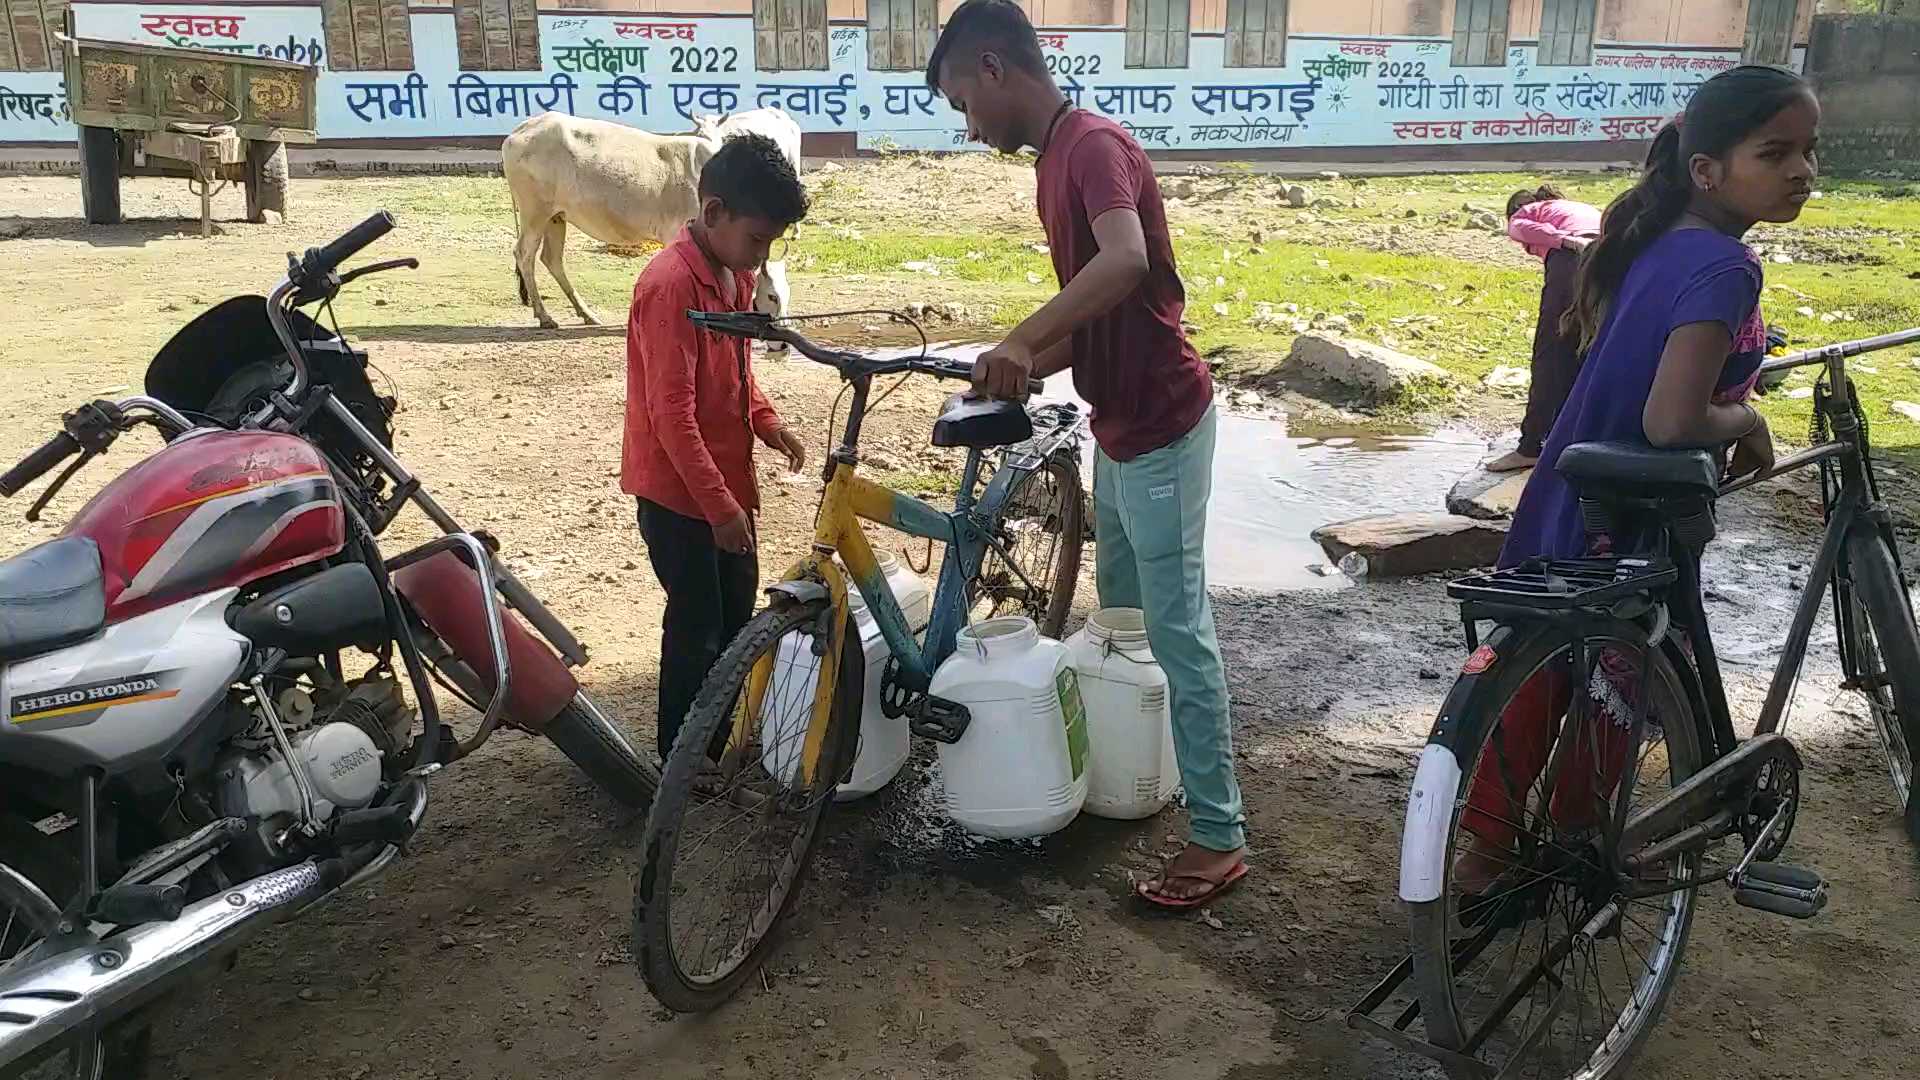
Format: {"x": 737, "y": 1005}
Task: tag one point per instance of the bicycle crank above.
{"x": 1793, "y": 891}
{"x": 927, "y": 716}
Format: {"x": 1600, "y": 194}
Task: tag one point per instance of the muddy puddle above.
{"x": 1275, "y": 481}
{"x": 1273, "y": 484}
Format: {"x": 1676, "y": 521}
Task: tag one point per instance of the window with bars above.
{"x": 495, "y": 35}
{"x": 1480, "y": 33}
{"x": 1256, "y": 33}
{"x": 900, "y": 34}
{"x": 791, "y": 35}
{"x": 26, "y": 34}
{"x": 1157, "y": 33}
{"x": 1770, "y": 31}
{"x": 1566, "y": 33}
{"x": 369, "y": 35}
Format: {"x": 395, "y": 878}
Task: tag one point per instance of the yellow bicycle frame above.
{"x": 848, "y": 500}
{"x": 837, "y": 531}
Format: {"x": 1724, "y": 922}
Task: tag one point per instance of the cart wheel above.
{"x": 267, "y": 180}
{"x": 100, "y": 175}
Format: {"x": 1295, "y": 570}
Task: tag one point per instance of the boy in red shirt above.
{"x": 693, "y": 412}
{"x": 1116, "y": 325}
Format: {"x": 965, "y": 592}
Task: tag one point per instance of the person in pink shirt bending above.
{"x": 1554, "y": 229}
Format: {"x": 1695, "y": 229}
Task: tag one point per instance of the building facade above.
{"x": 1333, "y": 78}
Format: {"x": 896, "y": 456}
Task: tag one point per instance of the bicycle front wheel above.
{"x": 1526, "y": 954}
{"x": 1043, "y": 527}
{"x": 734, "y": 825}
{"x": 1882, "y": 652}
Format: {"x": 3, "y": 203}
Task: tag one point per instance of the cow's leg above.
{"x": 554, "y": 253}
{"x": 770, "y": 296}
{"x": 533, "y": 227}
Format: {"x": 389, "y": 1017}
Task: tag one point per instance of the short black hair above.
{"x": 988, "y": 26}
{"x": 750, "y": 175}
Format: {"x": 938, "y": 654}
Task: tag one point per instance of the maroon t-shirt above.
{"x": 1134, "y": 365}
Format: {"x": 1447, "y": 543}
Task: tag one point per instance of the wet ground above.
{"x": 500, "y": 947}
{"x": 1274, "y": 484}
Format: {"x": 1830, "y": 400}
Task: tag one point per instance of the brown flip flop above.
{"x": 1217, "y": 883}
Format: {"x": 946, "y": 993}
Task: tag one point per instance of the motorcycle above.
{"x": 205, "y": 725}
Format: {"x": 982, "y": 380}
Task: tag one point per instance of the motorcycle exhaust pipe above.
{"x": 53, "y": 997}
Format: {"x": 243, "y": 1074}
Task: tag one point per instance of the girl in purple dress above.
{"x": 1667, "y": 314}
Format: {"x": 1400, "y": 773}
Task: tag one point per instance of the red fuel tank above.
{"x": 211, "y": 510}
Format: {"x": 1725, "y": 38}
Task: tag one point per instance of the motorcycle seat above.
{"x": 51, "y": 596}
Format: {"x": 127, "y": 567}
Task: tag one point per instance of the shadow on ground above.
{"x": 448, "y": 334}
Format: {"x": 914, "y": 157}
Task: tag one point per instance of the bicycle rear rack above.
{"x": 1566, "y": 584}
{"x": 1562, "y": 591}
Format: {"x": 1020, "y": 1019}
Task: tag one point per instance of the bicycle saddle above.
{"x": 1639, "y": 472}
{"x": 981, "y": 423}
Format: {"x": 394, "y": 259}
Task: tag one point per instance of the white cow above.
{"x": 770, "y": 294}
{"x": 620, "y": 185}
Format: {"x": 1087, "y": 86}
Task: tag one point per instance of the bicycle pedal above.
{"x": 940, "y": 720}
{"x": 1793, "y": 891}
{"x": 1792, "y": 877}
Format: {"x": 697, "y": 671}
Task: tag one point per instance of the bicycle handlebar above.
{"x": 1826, "y": 353}
{"x": 760, "y": 326}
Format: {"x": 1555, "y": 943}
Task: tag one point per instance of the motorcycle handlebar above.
{"x": 37, "y": 464}
{"x": 322, "y": 261}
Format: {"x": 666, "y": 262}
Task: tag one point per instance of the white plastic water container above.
{"x": 1020, "y": 770}
{"x": 1131, "y": 768}
{"x": 884, "y": 744}
{"x": 910, "y": 589}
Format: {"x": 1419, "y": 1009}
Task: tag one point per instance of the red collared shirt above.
{"x": 693, "y": 408}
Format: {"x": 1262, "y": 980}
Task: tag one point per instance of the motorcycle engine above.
{"x": 343, "y": 763}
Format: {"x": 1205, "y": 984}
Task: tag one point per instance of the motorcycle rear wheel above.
{"x": 123, "y": 1052}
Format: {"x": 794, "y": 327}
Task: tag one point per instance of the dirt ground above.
{"x": 500, "y": 948}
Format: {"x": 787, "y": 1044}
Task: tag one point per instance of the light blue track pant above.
{"x": 1150, "y": 524}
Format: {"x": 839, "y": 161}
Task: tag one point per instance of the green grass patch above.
{"x": 1853, "y": 251}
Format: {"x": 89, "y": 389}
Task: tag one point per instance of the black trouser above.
{"x": 709, "y": 598}
{"x": 1556, "y": 355}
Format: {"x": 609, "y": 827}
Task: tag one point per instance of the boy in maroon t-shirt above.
{"x": 1116, "y": 325}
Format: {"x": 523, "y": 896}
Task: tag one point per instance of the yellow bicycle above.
{"x": 774, "y": 727}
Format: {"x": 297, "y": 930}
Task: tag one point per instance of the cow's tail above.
{"x": 519, "y": 278}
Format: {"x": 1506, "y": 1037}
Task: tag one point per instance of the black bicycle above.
{"x": 1584, "y": 775}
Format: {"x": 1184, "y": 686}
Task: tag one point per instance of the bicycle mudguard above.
{"x": 1436, "y": 780}
{"x": 1429, "y": 821}
{"x": 800, "y": 591}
